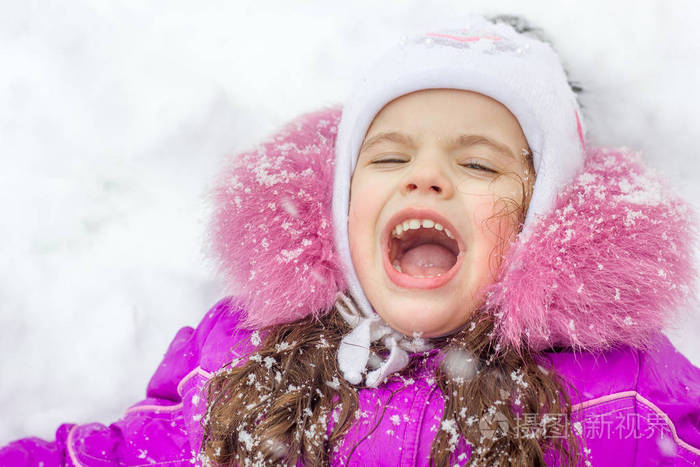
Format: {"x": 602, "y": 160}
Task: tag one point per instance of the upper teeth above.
{"x": 413, "y": 224}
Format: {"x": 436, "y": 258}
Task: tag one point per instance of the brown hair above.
{"x": 512, "y": 411}
{"x": 275, "y": 408}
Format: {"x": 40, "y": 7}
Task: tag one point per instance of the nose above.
{"x": 428, "y": 177}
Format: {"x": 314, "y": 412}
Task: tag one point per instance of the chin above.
{"x": 421, "y": 319}
{"x": 423, "y": 331}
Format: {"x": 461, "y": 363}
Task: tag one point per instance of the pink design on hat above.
{"x": 579, "y": 130}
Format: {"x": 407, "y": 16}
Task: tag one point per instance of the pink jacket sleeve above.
{"x": 163, "y": 429}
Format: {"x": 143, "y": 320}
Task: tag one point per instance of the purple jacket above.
{"x": 632, "y": 408}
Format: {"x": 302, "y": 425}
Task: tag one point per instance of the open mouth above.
{"x": 421, "y": 252}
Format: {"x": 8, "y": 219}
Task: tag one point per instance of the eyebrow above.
{"x": 391, "y": 136}
{"x": 474, "y": 140}
{"x": 459, "y": 141}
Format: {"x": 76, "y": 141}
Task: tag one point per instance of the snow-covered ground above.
{"x": 114, "y": 117}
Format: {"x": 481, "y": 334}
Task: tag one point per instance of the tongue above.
{"x": 429, "y": 259}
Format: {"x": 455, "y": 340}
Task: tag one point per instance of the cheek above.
{"x": 361, "y": 235}
{"x": 355, "y": 234}
{"x": 357, "y": 222}
{"x": 499, "y": 215}
{"x": 365, "y": 205}
{"x": 495, "y": 226}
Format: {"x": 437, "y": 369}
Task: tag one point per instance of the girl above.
{"x": 442, "y": 272}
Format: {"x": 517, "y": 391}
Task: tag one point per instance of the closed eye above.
{"x": 477, "y": 166}
{"x": 388, "y": 161}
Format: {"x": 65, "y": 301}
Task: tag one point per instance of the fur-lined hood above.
{"x": 611, "y": 264}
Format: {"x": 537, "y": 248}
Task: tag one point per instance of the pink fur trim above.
{"x": 610, "y": 265}
{"x": 272, "y": 229}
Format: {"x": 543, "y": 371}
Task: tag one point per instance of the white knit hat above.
{"x": 522, "y": 73}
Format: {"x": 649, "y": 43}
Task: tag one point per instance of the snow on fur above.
{"x": 610, "y": 265}
{"x": 271, "y": 230}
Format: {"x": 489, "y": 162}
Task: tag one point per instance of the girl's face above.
{"x": 436, "y": 195}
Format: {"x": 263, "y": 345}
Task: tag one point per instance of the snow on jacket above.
{"x": 600, "y": 276}
{"x": 633, "y": 408}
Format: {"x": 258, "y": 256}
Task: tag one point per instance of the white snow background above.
{"x": 114, "y": 117}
